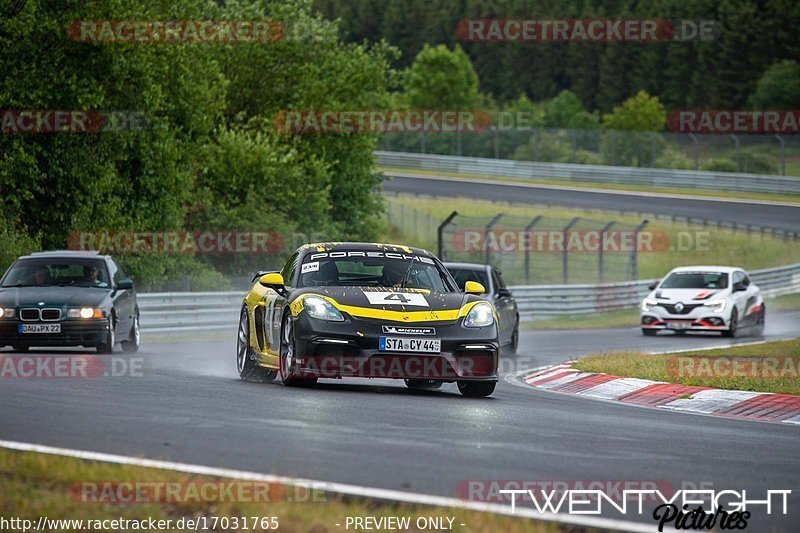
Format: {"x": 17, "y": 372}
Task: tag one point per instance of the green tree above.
{"x": 441, "y": 78}
{"x": 778, "y": 88}
{"x": 640, "y": 112}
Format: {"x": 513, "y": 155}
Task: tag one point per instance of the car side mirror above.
{"x": 503, "y": 293}
{"x": 739, "y": 287}
{"x": 273, "y": 281}
{"x": 653, "y": 285}
{"x": 125, "y": 284}
{"x": 473, "y": 287}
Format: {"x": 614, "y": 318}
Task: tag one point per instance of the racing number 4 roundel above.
{"x": 396, "y": 298}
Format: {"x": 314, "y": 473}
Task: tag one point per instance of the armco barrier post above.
{"x": 564, "y": 264}
{"x": 440, "y": 233}
{"x": 633, "y": 265}
{"x": 488, "y": 228}
{"x": 529, "y": 227}
{"x": 600, "y": 266}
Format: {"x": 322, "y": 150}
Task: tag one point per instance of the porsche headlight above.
{"x": 479, "y": 316}
{"x": 647, "y": 303}
{"x": 322, "y": 309}
{"x": 716, "y": 306}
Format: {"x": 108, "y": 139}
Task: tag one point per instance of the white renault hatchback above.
{"x": 704, "y": 298}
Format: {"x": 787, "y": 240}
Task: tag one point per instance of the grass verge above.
{"x": 38, "y": 485}
{"x": 667, "y": 367}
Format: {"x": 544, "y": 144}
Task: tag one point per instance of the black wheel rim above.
{"x": 242, "y": 342}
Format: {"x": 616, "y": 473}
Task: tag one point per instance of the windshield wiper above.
{"x": 407, "y": 275}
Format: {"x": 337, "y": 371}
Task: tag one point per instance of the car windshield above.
{"x": 463, "y": 275}
{"x": 696, "y": 280}
{"x": 411, "y": 271}
{"x": 41, "y": 272}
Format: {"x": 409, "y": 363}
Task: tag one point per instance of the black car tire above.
{"x": 649, "y": 332}
{"x": 514, "y": 344}
{"x": 287, "y": 351}
{"x": 476, "y": 389}
{"x": 134, "y": 339}
{"x": 108, "y": 346}
{"x": 423, "y": 384}
{"x": 247, "y": 367}
{"x": 733, "y": 330}
{"x": 761, "y": 321}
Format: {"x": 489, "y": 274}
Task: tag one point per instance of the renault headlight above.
{"x": 479, "y": 316}
{"x": 716, "y": 306}
{"x": 647, "y": 303}
{"x": 322, "y": 309}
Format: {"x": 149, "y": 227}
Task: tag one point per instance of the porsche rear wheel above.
{"x": 476, "y": 389}
{"x": 288, "y": 357}
{"x": 245, "y": 363}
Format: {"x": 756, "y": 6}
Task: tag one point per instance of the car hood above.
{"x": 55, "y": 296}
{"x": 394, "y": 304}
{"x": 688, "y": 295}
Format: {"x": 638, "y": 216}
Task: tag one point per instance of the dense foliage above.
{"x": 209, "y": 156}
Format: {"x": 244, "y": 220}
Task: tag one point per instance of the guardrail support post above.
{"x": 487, "y": 229}
{"x": 440, "y": 233}
{"x": 783, "y": 154}
{"x": 529, "y": 227}
{"x": 736, "y": 142}
{"x": 600, "y": 266}
{"x": 633, "y": 266}
{"x": 693, "y": 137}
{"x": 564, "y": 263}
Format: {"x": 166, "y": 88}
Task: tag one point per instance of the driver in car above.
{"x": 92, "y": 274}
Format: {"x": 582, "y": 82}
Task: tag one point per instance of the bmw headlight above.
{"x": 85, "y": 312}
{"x": 716, "y": 306}
{"x": 322, "y": 309}
{"x": 647, "y": 303}
{"x": 479, "y": 316}
{"x": 7, "y": 312}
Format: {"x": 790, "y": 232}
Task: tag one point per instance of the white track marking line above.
{"x": 711, "y": 401}
{"x": 623, "y": 192}
{"x": 614, "y": 389}
{"x": 339, "y": 488}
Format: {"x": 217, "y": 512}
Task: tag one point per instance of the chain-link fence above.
{"x": 544, "y": 249}
{"x": 751, "y": 153}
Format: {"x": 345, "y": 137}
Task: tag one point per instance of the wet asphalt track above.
{"x": 189, "y": 406}
{"x": 782, "y": 217}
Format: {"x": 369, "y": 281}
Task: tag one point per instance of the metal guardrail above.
{"x": 197, "y": 311}
{"x": 648, "y": 177}
{"x": 547, "y": 301}
{"x": 189, "y": 311}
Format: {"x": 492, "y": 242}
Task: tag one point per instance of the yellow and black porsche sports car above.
{"x": 368, "y": 310}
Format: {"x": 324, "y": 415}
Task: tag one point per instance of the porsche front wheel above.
{"x": 245, "y": 363}
{"x": 288, "y": 357}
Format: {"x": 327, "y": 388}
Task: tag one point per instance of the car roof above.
{"x": 362, "y": 246}
{"x": 64, "y": 254}
{"x": 467, "y": 266}
{"x": 707, "y": 268}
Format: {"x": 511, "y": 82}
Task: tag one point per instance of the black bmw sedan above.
{"x": 68, "y": 298}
